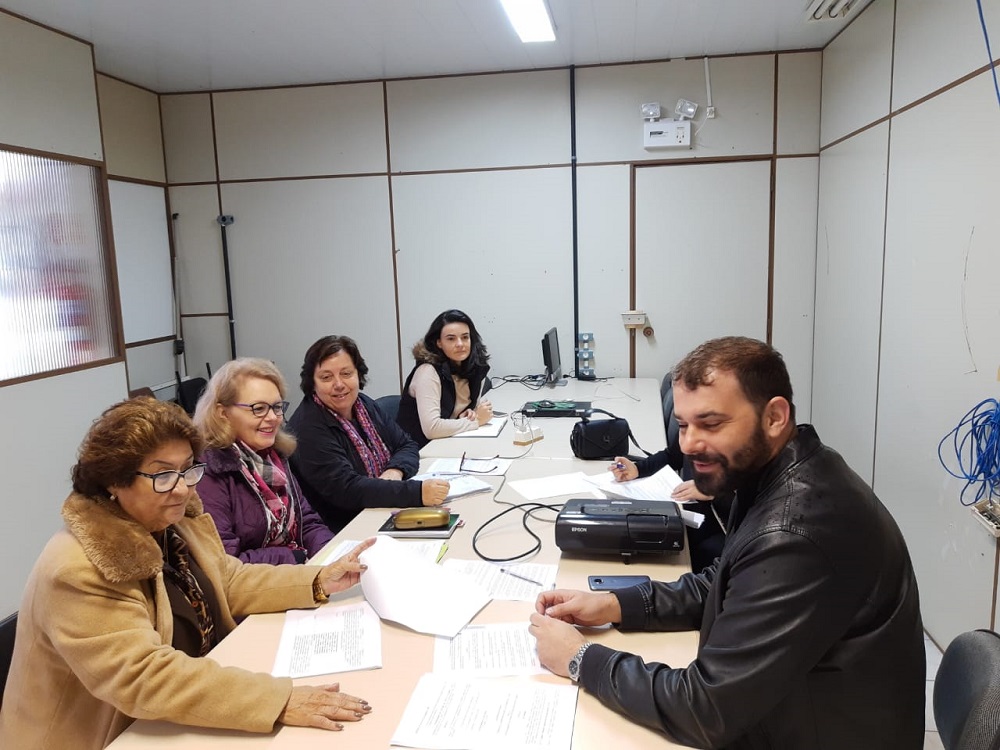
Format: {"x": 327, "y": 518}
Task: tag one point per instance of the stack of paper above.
{"x": 654, "y": 488}
{"x": 459, "y": 485}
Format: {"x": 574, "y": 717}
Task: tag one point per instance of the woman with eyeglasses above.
{"x": 351, "y": 455}
{"x": 443, "y": 394}
{"x": 125, "y": 602}
{"x": 256, "y": 503}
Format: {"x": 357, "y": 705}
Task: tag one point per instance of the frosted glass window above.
{"x": 55, "y": 309}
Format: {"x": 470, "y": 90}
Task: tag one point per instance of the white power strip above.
{"x": 988, "y": 514}
{"x": 527, "y": 434}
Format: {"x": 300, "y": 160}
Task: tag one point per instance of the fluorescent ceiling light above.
{"x": 530, "y": 19}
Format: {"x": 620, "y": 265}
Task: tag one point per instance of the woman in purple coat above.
{"x": 257, "y": 505}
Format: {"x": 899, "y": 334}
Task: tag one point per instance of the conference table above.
{"x": 406, "y": 655}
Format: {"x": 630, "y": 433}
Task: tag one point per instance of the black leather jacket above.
{"x": 810, "y": 623}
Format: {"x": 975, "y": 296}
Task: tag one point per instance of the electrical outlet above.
{"x": 709, "y": 113}
{"x": 527, "y": 435}
{"x": 988, "y": 514}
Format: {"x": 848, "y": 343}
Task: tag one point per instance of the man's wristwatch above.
{"x": 576, "y": 661}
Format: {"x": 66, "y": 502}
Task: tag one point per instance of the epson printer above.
{"x": 619, "y": 527}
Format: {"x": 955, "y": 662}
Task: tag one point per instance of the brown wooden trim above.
{"x": 803, "y": 155}
{"x": 703, "y": 160}
{"x": 859, "y": 131}
{"x": 127, "y": 83}
{"x": 296, "y": 178}
{"x": 996, "y": 583}
{"x": 148, "y": 342}
{"x": 631, "y": 267}
{"x": 206, "y": 315}
{"x": 191, "y": 184}
{"x": 53, "y": 29}
{"x": 100, "y": 114}
{"x": 392, "y": 236}
{"x": 136, "y": 180}
{"x": 55, "y": 155}
{"x": 111, "y": 258}
{"x": 215, "y": 146}
{"x": 63, "y": 371}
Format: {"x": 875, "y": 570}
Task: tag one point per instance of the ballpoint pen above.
{"x": 522, "y": 578}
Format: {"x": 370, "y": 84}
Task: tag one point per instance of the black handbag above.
{"x": 601, "y": 438}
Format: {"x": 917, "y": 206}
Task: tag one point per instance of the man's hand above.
{"x": 323, "y": 707}
{"x": 579, "y": 607}
{"x": 558, "y": 642}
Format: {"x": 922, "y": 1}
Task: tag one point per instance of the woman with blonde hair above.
{"x": 255, "y": 501}
{"x": 124, "y": 603}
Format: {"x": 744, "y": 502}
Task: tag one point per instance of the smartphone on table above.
{"x": 610, "y": 583}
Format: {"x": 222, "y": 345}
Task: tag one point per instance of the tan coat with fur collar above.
{"x": 93, "y": 652}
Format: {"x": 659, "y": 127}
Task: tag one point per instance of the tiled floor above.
{"x": 931, "y": 739}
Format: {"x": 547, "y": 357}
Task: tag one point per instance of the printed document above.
{"x": 489, "y": 651}
{"x": 453, "y": 713}
{"x": 328, "y": 640}
{"x": 459, "y": 485}
{"x": 490, "y": 429}
{"x": 410, "y": 590}
{"x": 429, "y": 549}
{"x": 518, "y": 582}
{"x": 560, "y": 484}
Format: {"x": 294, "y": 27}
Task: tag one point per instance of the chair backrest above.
{"x": 188, "y": 393}
{"x": 669, "y": 423}
{"x": 388, "y": 405}
{"x": 967, "y": 692}
{"x": 7, "y": 627}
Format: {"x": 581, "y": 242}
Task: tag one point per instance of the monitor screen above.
{"x": 550, "y": 356}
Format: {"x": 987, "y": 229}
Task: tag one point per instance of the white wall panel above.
{"x": 497, "y": 245}
{"x": 39, "y": 462}
{"x": 940, "y": 349}
{"x": 923, "y": 62}
{"x": 799, "y": 79}
{"x": 609, "y": 124}
{"x": 201, "y": 281}
{"x": 857, "y": 71}
{"x": 849, "y": 295}
{"x": 471, "y": 122}
{"x": 795, "y": 203}
{"x": 130, "y": 118}
{"x": 338, "y": 281}
{"x": 603, "y": 239}
{"x": 187, "y": 136}
{"x": 142, "y": 254}
{"x": 206, "y": 340}
{"x": 48, "y": 90}
{"x": 153, "y": 364}
{"x": 314, "y": 130}
{"x": 701, "y": 237}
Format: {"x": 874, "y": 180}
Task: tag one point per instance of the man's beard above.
{"x": 747, "y": 461}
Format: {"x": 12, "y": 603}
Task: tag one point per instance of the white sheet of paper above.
{"x": 408, "y": 589}
{"x": 429, "y": 549}
{"x": 489, "y": 650}
{"x": 655, "y": 488}
{"x": 508, "y": 586}
{"x": 490, "y": 429}
{"x": 329, "y": 640}
{"x": 560, "y": 484}
{"x": 484, "y": 467}
{"x": 453, "y": 713}
{"x": 459, "y": 485}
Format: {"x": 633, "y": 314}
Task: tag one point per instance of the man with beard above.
{"x": 810, "y": 631}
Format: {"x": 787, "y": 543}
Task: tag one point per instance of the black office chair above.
{"x": 7, "y": 627}
{"x": 669, "y": 423}
{"x": 388, "y": 405}
{"x": 189, "y": 391}
{"x": 967, "y": 692}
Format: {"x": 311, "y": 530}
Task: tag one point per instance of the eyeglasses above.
{"x": 465, "y": 468}
{"x": 261, "y": 408}
{"x": 165, "y": 481}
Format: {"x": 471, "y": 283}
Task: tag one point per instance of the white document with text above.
{"x": 329, "y": 640}
{"x": 489, "y": 651}
{"x": 518, "y": 582}
{"x": 447, "y": 712}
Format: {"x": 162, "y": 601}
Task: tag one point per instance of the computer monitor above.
{"x": 550, "y": 356}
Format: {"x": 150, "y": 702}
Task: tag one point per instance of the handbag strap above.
{"x": 586, "y": 418}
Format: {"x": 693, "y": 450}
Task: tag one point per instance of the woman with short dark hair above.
{"x": 126, "y": 600}
{"x": 442, "y": 395}
{"x": 351, "y": 455}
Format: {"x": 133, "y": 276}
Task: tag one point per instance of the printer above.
{"x": 619, "y": 527}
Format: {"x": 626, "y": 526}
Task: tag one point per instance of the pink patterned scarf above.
{"x": 372, "y": 450}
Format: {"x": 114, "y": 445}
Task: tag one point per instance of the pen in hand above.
{"x": 522, "y": 578}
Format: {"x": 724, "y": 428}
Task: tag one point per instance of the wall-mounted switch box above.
{"x": 666, "y": 133}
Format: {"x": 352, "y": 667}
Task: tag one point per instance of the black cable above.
{"x": 532, "y": 507}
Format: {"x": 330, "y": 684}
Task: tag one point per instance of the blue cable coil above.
{"x": 976, "y": 444}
